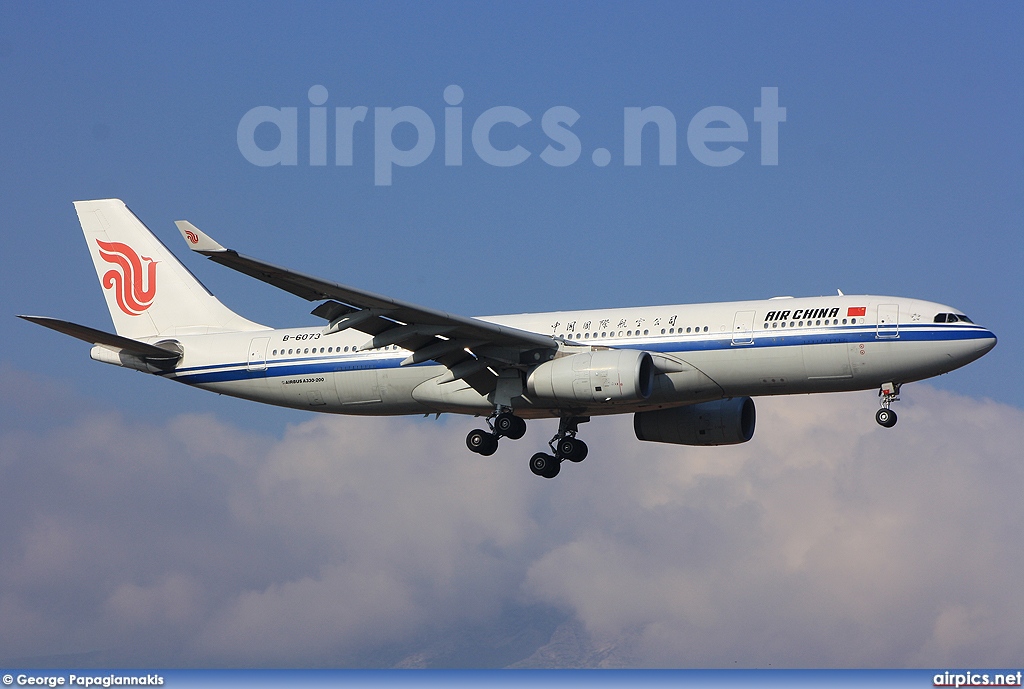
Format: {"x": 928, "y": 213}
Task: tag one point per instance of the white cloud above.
{"x": 826, "y": 541}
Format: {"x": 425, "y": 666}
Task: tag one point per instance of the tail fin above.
{"x": 148, "y": 291}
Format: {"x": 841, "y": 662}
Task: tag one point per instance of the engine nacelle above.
{"x": 610, "y": 375}
{"x": 721, "y": 422}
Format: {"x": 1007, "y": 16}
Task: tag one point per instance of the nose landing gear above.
{"x": 889, "y": 393}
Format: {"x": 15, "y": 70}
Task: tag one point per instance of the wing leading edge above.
{"x": 466, "y": 346}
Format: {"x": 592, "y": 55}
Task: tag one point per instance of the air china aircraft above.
{"x": 687, "y": 373}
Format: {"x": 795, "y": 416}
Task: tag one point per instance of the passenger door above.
{"x": 888, "y": 321}
{"x": 743, "y": 328}
{"x": 257, "y": 360}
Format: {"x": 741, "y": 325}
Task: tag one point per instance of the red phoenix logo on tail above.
{"x": 192, "y": 237}
{"x": 127, "y": 279}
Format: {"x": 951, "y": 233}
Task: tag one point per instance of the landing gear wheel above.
{"x": 544, "y": 465}
{"x": 885, "y": 417}
{"x": 482, "y": 442}
{"x": 510, "y": 426}
{"x": 572, "y": 449}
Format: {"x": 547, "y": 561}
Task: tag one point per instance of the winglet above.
{"x": 196, "y": 239}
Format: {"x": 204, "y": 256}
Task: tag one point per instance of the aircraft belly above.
{"x": 752, "y": 371}
{"x": 313, "y": 391}
{"x": 357, "y": 387}
{"x": 379, "y": 391}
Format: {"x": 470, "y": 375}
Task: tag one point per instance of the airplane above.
{"x": 686, "y": 372}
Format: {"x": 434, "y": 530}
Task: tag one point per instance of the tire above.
{"x": 544, "y": 465}
{"x": 519, "y": 430}
{"x": 510, "y": 426}
{"x": 572, "y": 449}
{"x": 491, "y": 445}
{"x": 481, "y": 442}
{"x": 885, "y": 418}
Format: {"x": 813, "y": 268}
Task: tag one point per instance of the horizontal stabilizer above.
{"x": 98, "y": 337}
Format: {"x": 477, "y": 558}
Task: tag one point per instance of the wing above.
{"x": 467, "y": 346}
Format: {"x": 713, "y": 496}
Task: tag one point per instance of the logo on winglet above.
{"x": 191, "y": 236}
{"x": 134, "y": 285}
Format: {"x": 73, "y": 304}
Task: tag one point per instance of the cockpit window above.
{"x": 952, "y": 318}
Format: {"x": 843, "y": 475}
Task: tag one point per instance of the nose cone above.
{"x": 974, "y": 348}
{"x": 987, "y": 342}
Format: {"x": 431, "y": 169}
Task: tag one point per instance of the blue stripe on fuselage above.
{"x": 220, "y": 373}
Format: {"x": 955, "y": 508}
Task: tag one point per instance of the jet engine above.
{"x": 721, "y": 422}
{"x": 611, "y": 375}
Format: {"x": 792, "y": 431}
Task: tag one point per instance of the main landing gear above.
{"x": 505, "y": 424}
{"x": 564, "y": 445}
{"x": 889, "y": 393}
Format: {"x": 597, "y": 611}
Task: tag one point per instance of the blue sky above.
{"x": 900, "y": 172}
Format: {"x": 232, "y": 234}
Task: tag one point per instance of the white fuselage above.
{"x": 706, "y": 351}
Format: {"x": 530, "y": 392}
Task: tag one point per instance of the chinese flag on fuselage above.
{"x": 856, "y": 311}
